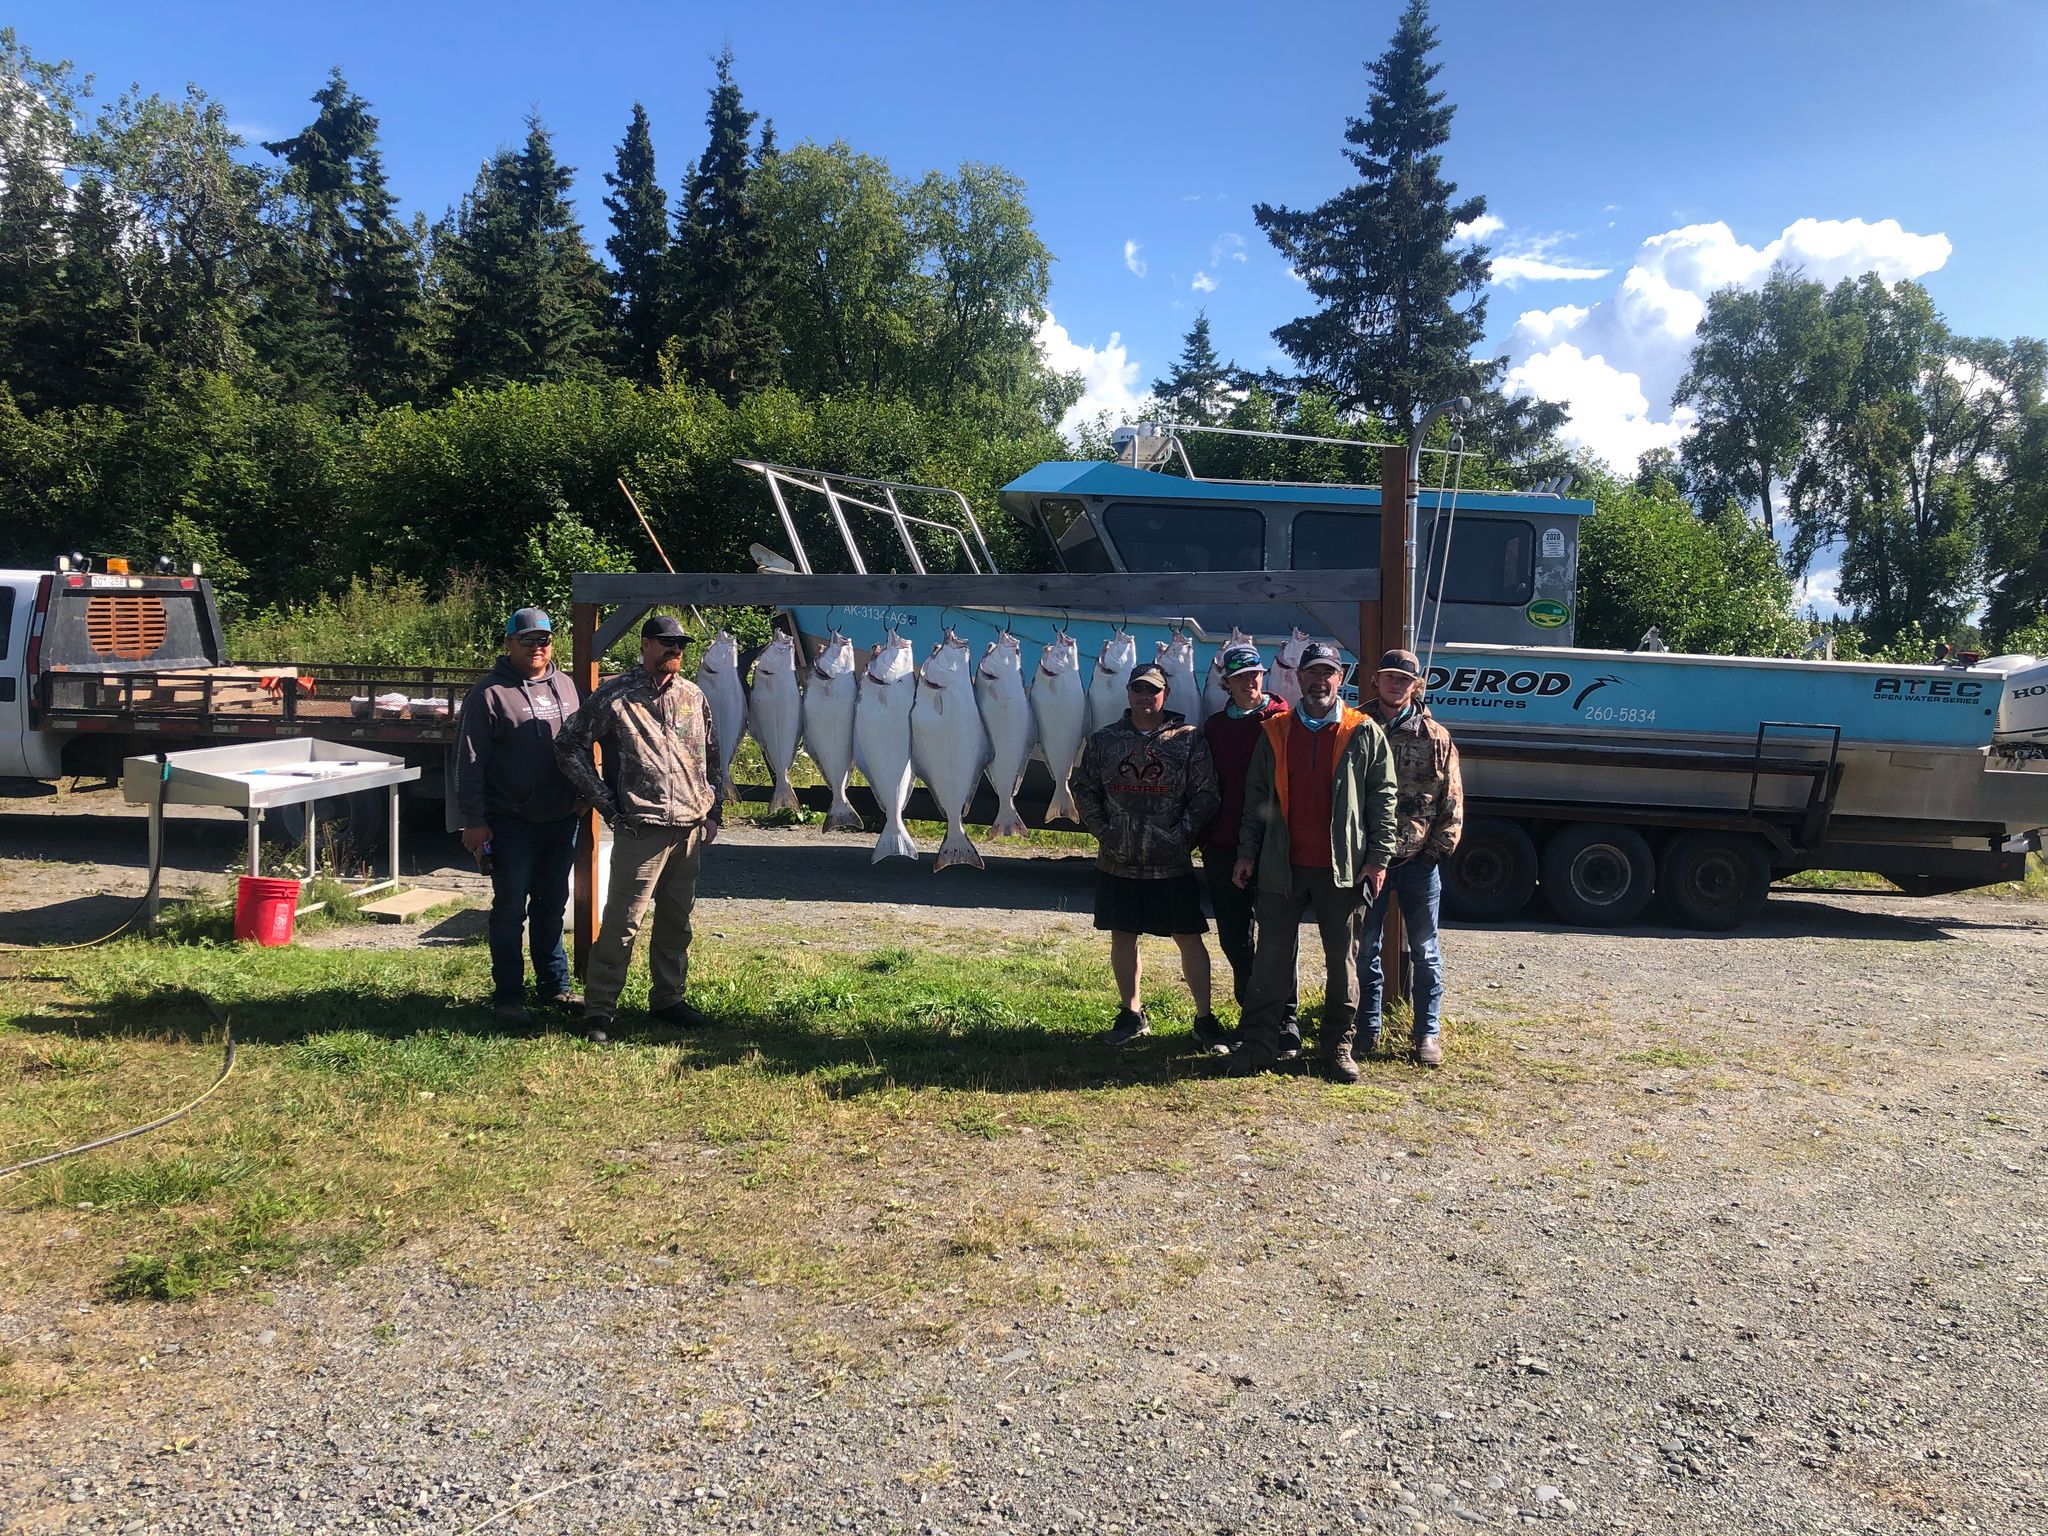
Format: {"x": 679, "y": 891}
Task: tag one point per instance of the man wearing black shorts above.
{"x": 1146, "y": 787}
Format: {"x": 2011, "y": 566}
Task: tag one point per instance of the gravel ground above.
{"x": 1758, "y": 1243}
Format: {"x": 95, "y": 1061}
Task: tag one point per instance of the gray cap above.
{"x": 528, "y": 621}
{"x": 1320, "y": 653}
{"x": 1241, "y": 658}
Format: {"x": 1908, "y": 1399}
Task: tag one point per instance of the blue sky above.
{"x": 1637, "y": 156}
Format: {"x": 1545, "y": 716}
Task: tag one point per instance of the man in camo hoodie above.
{"x": 1146, "y": 788}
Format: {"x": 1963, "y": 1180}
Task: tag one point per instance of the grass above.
{"x": 841, "y": 1130}
{"x": 2031, "y": 886}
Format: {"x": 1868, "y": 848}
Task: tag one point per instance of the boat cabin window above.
{"x": 1152, "y": 537}
{"x": 1490, "y": 561}
{"x": 1073, "y": 534}
{"x": 1336, "y": 541}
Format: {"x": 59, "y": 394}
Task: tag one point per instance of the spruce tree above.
{"x": 344, "y": 299}
{"x": 99, "y": 312}
{"x": 1400, "y": 309}
{"x": 523, "y": 293}
{"x": 720, "y": 262}
{"x": 1194, "y": 391}
{"x": 639, "y": 251}
{"x": 35, "y": 144}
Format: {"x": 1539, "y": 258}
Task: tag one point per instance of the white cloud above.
{"x": 1227, "y": 248}
{"x": 1109, "y": 375}
{"x": 1471, "y": 231}
{"x": 1510, "y": 270}
{"x": 1191, "y": 197}
{"x": 1821, "y": 591}
{"x": 1203, "y": 283}
{"x": 1618, "y": 360}
{"x": 1609, "y": 411}
{"x": 1133, "y": 262}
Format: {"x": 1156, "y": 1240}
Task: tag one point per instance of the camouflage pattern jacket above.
{"x": 1145, "y": 797}
{"x": 660, "y": 748}
{"x": 1430, "y": 813}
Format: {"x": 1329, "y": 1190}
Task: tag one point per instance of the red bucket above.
{"x": 264, "y": 910}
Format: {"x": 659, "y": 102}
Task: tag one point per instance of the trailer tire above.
{"x": 1598, "y": 875}
{"x": 1492, "y": 874}
{"x": 1714, "y": 880}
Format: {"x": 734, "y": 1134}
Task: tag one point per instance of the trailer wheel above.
{"x": 1493, "y": 874}
{"x": 1714, "y": 880}
{"x": 1601, "y": 876}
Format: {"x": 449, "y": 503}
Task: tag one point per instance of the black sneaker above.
{"x": 680, "y": 1014}
{"x": 594, "y": 1029}
{"x": 1248, "y": 1058}
{"x": 568, "y": 1002}
{"x": 1130, "y": 1025}
{"x": 513, "y": 1014}
{"x": 1210, "y": 1033}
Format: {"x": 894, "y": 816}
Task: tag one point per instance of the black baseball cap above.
{"x": 1151, "y": 672}
{"x": 1320, "y": 653}
{"x": 1406, "y": 663}
{"x": 528, "y": 621}
{"x": 664, "y": 626}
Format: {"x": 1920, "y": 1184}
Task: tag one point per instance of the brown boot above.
{"x": 1337, "y": 1063}
{"x": 1429, "y": 1051}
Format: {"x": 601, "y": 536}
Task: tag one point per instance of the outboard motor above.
{"x": 2023, "y": 712}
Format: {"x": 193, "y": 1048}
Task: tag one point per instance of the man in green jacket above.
{"x": 1318, "y": 833}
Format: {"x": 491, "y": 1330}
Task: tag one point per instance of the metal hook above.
{"x": 1066, "y": 622}
{"x": 831, "y": 623}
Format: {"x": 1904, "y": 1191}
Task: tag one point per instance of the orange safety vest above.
{"x": 1346, "y": 724}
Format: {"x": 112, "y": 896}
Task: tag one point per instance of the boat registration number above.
{"x": 1619, "y": 714}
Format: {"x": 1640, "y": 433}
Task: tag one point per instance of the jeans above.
{"x": 529, "y": 891}
{"x": 1418, "y": 886}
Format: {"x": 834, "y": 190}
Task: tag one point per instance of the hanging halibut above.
{"x": 1060, "y": 710}
{"x": 1106, "y": 701}
{"x": 1177, "y": 661}
{"x": 775, "y": 713}
{"x": 1284, "y": 684}
{"x": 948, "y": 744}
{"x": 829, "y": 700}
{"x": 1216, "y": 697}
{"x": 718, "y": 674}
{"x": 1006, "y": 715}
{"x": 881, "y": 739}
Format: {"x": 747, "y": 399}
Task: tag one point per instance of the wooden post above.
{"x": 1396, "y": 624}
{"x": 585, "y": 899}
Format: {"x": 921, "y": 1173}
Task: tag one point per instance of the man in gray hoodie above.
{"x": 519, "y": 813}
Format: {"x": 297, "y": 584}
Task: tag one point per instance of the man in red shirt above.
{"x": 1233, "y": 733}
{"x": 1318, "y": 833}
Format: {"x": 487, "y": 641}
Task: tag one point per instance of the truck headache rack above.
{"x": 336, "y": 702}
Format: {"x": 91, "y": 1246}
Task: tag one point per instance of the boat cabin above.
{"x": 1507, "y": 577}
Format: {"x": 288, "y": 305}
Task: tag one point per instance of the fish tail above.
{"x": 894, "y": 843}
{"x": 1009, "y": 822}
{"x": 842, "y": 817}
{"x": 784, "y": 798}
{"x": 958, "y": 848}
{"x": 1061, "y": 807}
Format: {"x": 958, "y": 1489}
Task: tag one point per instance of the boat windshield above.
{"x": 1155, "y": 536}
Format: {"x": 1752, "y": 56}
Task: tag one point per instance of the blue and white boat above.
{"x": 1955, "y": 753}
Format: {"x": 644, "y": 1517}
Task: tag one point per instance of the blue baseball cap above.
{"x": 528, "y": 621}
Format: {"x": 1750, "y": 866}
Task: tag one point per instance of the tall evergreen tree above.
{"x": 639, "y": 250}
{"x": 346, "y": 294}
{"x": 721, "y": 258}
{"x": 523, "y": 293}
{"x": 35, "y": 146}
{"x": 1195, "y": 389}
{"x": 99, "y": 311}
{"x": 1401, "y": 308}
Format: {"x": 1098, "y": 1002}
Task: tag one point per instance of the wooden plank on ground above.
{"x": 403, "y": 906}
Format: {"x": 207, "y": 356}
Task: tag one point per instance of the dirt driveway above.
{"x": 1743, "y": 1234}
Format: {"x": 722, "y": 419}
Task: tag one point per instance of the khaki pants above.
{"x": 658, "y": 866}
{"x": 1269, "y": 1001}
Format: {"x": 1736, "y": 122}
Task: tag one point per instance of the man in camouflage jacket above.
{"x": 662, "y": 748}
{"x": 1146, "y": 787}
{"x": 1430, "y": 814}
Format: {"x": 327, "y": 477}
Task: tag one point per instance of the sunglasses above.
{"x": 670, "y": 647}
{"x": 534, "y": 642}
{"x": 1146, "y": 688}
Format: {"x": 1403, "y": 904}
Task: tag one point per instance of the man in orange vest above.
{"x": 1318, "y": 833}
